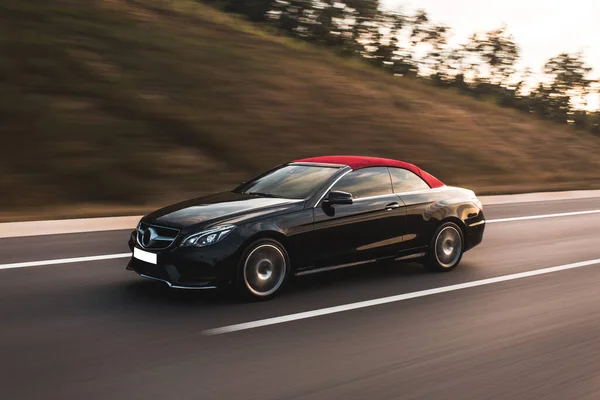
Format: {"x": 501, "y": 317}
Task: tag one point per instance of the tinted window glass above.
{"x": 366, "y": 182}
{"x": 406, "y": 181}
{"x": 290, "y": 181}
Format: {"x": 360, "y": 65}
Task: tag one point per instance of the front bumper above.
{"x": 176, "y": 286}
{"x": 475, "y": 231}
{"x": 170, "y": 275}
{"x": 192, "y": 267}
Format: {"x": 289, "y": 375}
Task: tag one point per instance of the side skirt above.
{"x": 334, "y": 267}
{"x": 317, "y": 270}
{"x": 411, "y": 256}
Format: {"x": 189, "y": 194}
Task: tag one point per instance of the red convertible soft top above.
{"x": 358, "y": 162}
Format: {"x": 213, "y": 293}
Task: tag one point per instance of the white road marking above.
{"x": 539, "y": 197}
{"x": 392, "y": 299}
{"x": 528, "y": 217}
{"x": 126, "y": 255}
{"x": 64, "y": 261}
{"x": 78, "y": 225}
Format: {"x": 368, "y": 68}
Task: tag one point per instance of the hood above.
{"x": 204, "y": 211}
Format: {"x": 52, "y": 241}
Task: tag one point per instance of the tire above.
{"x": 446, "y": 248}
{"x": 263, "y": 270}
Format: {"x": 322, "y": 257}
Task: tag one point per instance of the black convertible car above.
{"x": 307, "y": 216}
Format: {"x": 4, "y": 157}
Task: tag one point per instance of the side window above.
{"x": 406, "y": 181}
{"x": 366, "y": 182}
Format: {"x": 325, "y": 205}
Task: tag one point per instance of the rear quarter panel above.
{"x": 425, "y": 211}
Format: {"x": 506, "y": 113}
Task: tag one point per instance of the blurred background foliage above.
{"x": 413, "y": 45}
{"x": 119, "y": 106}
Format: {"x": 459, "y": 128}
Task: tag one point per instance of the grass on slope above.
{"x": 118, "y": 106}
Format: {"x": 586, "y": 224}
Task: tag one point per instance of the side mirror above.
{"x": 338, "y": 197}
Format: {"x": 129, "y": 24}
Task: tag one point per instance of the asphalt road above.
{"x": 95, "y": 331}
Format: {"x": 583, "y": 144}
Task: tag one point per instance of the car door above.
{"x": 367, "y": 229}
{"x": 419, "y": 201}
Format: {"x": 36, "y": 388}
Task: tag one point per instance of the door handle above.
{"x": 392, "y": 206}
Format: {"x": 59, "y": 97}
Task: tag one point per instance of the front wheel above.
{"x": 446, "y": 248}
{"x": 264, "y": 268}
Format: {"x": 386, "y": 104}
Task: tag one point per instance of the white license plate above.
{"x": 144, "y": 255}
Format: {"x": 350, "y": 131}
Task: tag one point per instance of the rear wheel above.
{"x": 264, "y": 268}
{"x": 446, "y": 248}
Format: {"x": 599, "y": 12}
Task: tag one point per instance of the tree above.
{"x": 451, "y": 67}
{"x": 364, "y": 8}
{"x": 495, "y": 51}
{"x": 437, "y": 38}
{"x": 382, "y": 36}
{"x": 569, "y": 74}
{"x": 430, "y": 39}
{"x": 419, "y": 30}
{"x": 565, "y": 80}
{"x": 324, "y": 21}
{"x": 255, "y": 10}
{"x": 520, "y": 100}
{"x": 292, "y": 16}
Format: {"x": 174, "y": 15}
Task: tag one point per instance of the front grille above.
{"x": 155, "y": 237}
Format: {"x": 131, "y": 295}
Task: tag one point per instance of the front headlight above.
{"x": 206, "y": 238}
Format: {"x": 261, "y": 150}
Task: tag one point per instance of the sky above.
{"x": 542, "y": 28}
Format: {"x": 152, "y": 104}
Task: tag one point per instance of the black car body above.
{"x": 304, "y": 217}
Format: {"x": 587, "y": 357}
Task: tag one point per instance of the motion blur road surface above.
{"x": 95, "y": 331}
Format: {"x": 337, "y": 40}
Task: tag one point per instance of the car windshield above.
{"x": 290, "y": 181}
